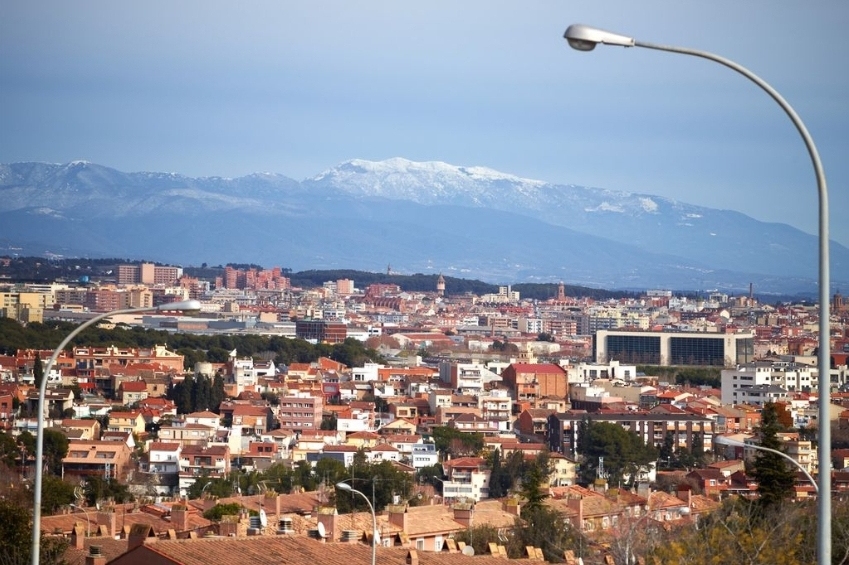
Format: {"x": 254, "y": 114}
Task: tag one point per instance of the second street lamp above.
{"x": 183, "y": 306}
{"x": 585, "y": 38}
{"x": 348, "y": 488}
{"x": 722, "y": 440}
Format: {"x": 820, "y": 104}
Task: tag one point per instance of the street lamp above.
{"x": 722, "y": 440}
{"x": 348, "y": 488}
{"x": 87, "y": 519}
{"x": 585, "y": 38}
{"x": 185, "y": 305}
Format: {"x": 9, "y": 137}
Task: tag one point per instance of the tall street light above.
{"x": 87, "y": 519}
{"x": 183, "y": 306}
{"x": 585, "y": 38}
{"x": 722, "y": 440}
{"x": 348, "y": 488}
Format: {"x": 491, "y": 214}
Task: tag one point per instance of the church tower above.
{"x": 440, "y": 285}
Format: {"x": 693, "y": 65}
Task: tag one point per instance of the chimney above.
{"x": 209, "y": 502}
{"x": 78, "y": 536}
{"x": 180, "y": 517}
{"x": 108, "y": 519}
{"x": 95, "y": 556}
{"x": 512, "y": 506}
{"x": 577, "y": 504}
{"x": 138, "y": 534}
{"x": 463, "y": 513}
{"x": 398, "y": 516}
{"x": 271, "y": 503}
{"x": 327, "y": 518}
{"x": 412, "y": 557}
{"x": 684, "y": 493}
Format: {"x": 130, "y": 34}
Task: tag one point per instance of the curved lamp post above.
{"x": 184, "y": 306}
{"x": 348, "y": 488}
{"x": 585, "y": 38}
{"x": 87, "y": 519}
{"x": 734, "y": 443}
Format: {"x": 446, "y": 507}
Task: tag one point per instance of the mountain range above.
{"x": 412, "y": 217}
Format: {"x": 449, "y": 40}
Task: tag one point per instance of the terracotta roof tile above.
{"x": 285, "y": 550}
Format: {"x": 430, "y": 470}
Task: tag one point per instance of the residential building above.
{"x": 300, "y": 412}
{"x": 105, "y": 459}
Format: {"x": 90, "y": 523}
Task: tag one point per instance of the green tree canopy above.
{"x": 16, "y": 537}
{"x": 457, "y": 443}
{"x": 625, "y": 453}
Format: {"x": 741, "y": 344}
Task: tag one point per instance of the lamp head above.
{"x": 585, "y": 38}
{"x": 722, "y": 440}
{"x": 344, "y": 486}
{"x": 184, "y": 305}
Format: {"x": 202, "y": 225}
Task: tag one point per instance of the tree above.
{"x": 667, "y": 450}
{"x": 457, "y": 443}
{"x": 547, "y": 529}
{"x": 330, "y": 422}
{"x": 771, "y": 470}
{"x": 698, "y": 450}
{"x": 16, "y": 538}
{"x": 625, "y": 453}
{"x": 496, "y": 476}
{"x": 37, "y": 370}
{"x": 98, "y": 489}
{"x": 220, "y": 510}
{"x": 55, "y": 493}
{"x": 55, "y": 449}
{"x": 220, "y": 487}
{"x": 739, "y": 532}
{"x": 534, "y": 488}
{"x": 9, "y": 450}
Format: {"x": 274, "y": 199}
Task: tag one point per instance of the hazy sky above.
{"x": 226, "y": 88}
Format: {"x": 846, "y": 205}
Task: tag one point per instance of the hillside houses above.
{"x": 524, "y": 399}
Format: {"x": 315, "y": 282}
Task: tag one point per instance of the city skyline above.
{"x": 217, "y": 90}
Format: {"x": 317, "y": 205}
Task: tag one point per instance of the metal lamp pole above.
{"x": 585, "y": 38}
{"x": 185, "y": 305}
{"x": 87, "y": 519}
{"x": 726, "y": 441}
{"x": 348, "y": 488}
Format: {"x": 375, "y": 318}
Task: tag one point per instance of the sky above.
{"x": 217, "y": 88}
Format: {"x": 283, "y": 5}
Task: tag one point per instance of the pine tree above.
{"x": 775, "y": 477}
{"x": 37, "y": 370}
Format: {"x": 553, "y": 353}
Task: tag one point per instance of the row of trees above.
{"x": 198, "y": 393}
{"x": 195, "y": 348}
{"x": 381, "y": 482}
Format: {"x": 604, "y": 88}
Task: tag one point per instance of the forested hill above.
{"x": 42, "y": 270}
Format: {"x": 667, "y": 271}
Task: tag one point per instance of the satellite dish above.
{"x": 263, "y": 517}
{"x": 469, "y": 550}
{"x": 322, "y": 533}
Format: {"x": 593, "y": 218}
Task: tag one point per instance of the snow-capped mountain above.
{"x": 418, "y": 217}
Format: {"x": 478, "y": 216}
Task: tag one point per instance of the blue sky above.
{"x": 225, "y": 88}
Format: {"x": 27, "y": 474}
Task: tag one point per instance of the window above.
{"x": 420, "y": 544}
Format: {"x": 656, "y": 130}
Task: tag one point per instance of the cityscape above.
{"x": 424, "y": 283}
{"x": 457, "y": 407}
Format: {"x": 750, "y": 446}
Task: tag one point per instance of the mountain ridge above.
{"x": 429, "y": 215}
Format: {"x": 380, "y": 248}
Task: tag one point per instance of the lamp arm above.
{"x": 824, "y": 353}
{"x": 39, "y": 438}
